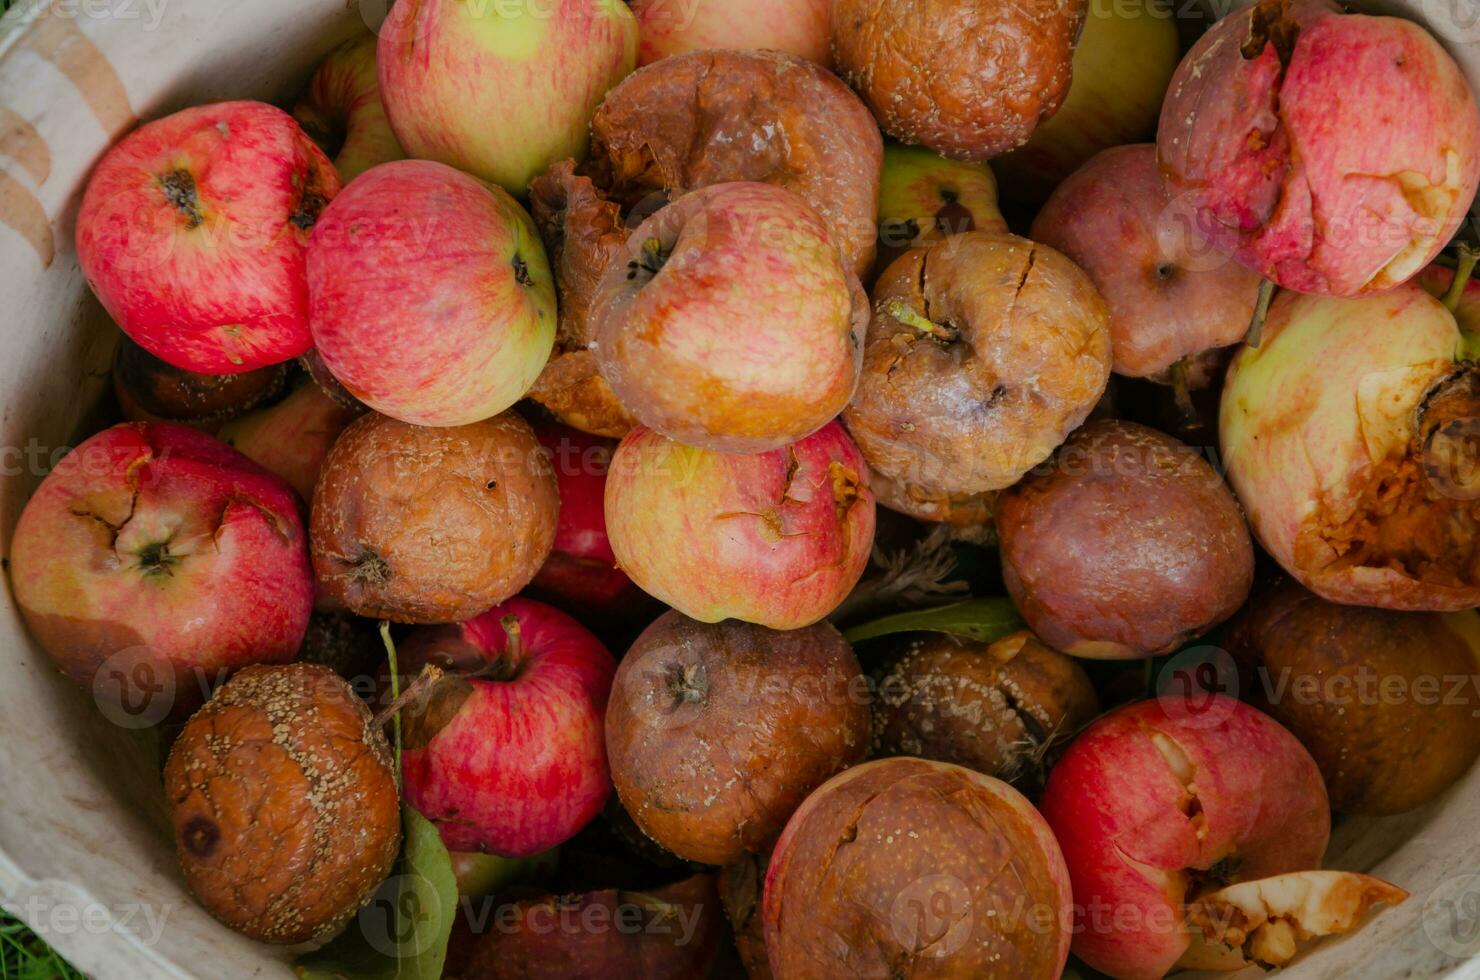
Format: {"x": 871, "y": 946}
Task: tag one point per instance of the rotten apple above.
{"x": 192, "y": 233}
{"x": 151, "y": 390}
{"x": 776, "y": 538}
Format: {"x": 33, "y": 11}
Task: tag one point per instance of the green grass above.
{"x": 22, "y": 955}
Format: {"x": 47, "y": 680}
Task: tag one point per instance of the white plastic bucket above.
{"x": 85, "y": 857}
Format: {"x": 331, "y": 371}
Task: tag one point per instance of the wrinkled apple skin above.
{"x": 430, "y": 297}
{"x": 1122, "y": 64}
{"x": 154, "y": 539}
{"x": 519, "y": 763}
{"x": 501, "y": 90}
{"x": 291, "y": 438}
{"x": 1131, "y": 835}
{"x": 342, "y": 106}
{"x": 776, "y": 538}
{"x": 1333, "y": 392}
{"x": 669, "y": 27}
{"x": 911, "y": 868}
{"x": 1315, "y": 184}
{"x": 192, "y": 233}
{"x": 747, "y": 336}
{"x": 1166, "y": 303}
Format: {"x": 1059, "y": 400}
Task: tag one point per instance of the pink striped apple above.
{"x": 668, "y": 27}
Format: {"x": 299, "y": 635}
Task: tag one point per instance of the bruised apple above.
{"x": 967, "y": 78}
{"x": 776, "y": 538}
{"x": 153, "y": 559}
{"x": 904, "y": 867}
{"x": 1385, "y": 701}
{"x": 1159, "y": 802}
{"x": 984, "y": 351}
{"x": 1348, "y": 435}
{"x": 1170, "y": 297}
{"x": 1316, "y": 184}
{"x": 192, "y": 233}
{"x": 669, "y": 27}
{"x": 717, "y": 732}
{"x": 1125, "y": 544}
{"x": 735, "y": 370}
{"x": 343, "y": 113}
{"x": 431, "y": 525}
{"x": 680, "y": 124}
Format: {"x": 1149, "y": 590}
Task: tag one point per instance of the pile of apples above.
{"x": 378, "y": 353}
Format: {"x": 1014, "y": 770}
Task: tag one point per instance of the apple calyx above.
{"x": 368, "y": 567}
{"x": 179, "y": 189}
{"x": 155, "y": 559}
{"x": 652, "y": 257}
{"x": 688, "y": 683}
{"x": 1265, "y": 921}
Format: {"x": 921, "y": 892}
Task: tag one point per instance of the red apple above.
{"x": 430, "y": 296}
{"x": 293, "y": 437}
{"x": 342, "y": 110}
{"x": 506, "y": 753}
{"x": 192, "y": 233}
{"x": 153, "y": 559}
{"x": 1170, "y": 295}
{"x": 1316, "y": 183}
{"x": 1161, "y": 801}
{"x": 776, "y": 538}
{"x": 667, "y": 27}
{"x": 501, "y": 90}
{"x": 730, "y": 321}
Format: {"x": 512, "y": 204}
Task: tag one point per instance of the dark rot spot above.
{"x": 521, "y": 275}
{"x": 309, "y": 207}
{"x": 953, "y": 218}
{"x": 199, "y": 836}
{"x": 179, "y": 190}
{"x": 491, "y": 485}
{"x": 1271, "y": 24}
{"x": 1165, "y": 271}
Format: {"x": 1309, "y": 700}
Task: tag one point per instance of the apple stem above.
{"x": 1261, "y": 310}
{"x": 390, "y": 656}
{"x": 1183, "y": 397}
{"x": 911, "y": 317}
{"x": 430, "y": 674}
{"x": 1464, "y": 268}
{"x": 514, "y": 649}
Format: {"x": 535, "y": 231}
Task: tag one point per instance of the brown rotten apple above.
{"x": 729, "y": 321}
{"x": 903, "y": 867}
{"x": 717, "y": 732}
{"x": 1385, "y": 701}
{"x": 1126, "y": 544}
{"x": 283, "y": 799}
{"x": 966, "y": 78}
{"x": 680, "y": 124}
{"x": 432, "y": 525}
{"x": 998, "y": 708}
{"x": 151, "y": 390}
{"x": 985, "y": 350}
{"x": 1349, "y": 436}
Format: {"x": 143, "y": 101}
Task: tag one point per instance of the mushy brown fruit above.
{"x": 913, "y": 868}
{"x": 717, "y": 732}
{"x": 432, "y": 525}
{"x": 1387, "y": 703}
{"x": 1126, "y": 544}
{"x": 967, "y": 78}
{"x": 984, "y": 352}
{"x": 999, "y": 708}
{"x": 283, "y": 798}
{"x": 740, "y": 894}
{"x": 149, "y": 389}
{"x": 680, "y": 124}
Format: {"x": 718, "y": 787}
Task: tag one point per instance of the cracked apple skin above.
{"x": 905, "y": 867}
{"x": 798, "y": 27}
{"x": 430, "y": 296}
{"x": 343, "y": 113}
{"x": 967, "y": 78}
{"x": 777, "y": 538}
{"x": 283, "y": 800}
{"x": 1379, "y": 754}
{"x": 1314, "y": 185}
{"x": 501, "y": 91}
{"x": 1161, "y": 797}
{"x": 718, "y": 731}
{"x": 192, "y": 233}
{"x": 156, "y": 540}
{"x": 1167, "y": 300}
{"x": 431, "y": 525}
{"x": 1125, "y": 544}
{"x": 738, "y": 370}
{"x": 985, "y": 350}
{"x": 506, "y": 753}
{"x": 1344, "y": 436}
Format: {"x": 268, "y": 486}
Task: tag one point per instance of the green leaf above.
{"x": 985, "y": 620}
{"x": 402, "y": 934}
